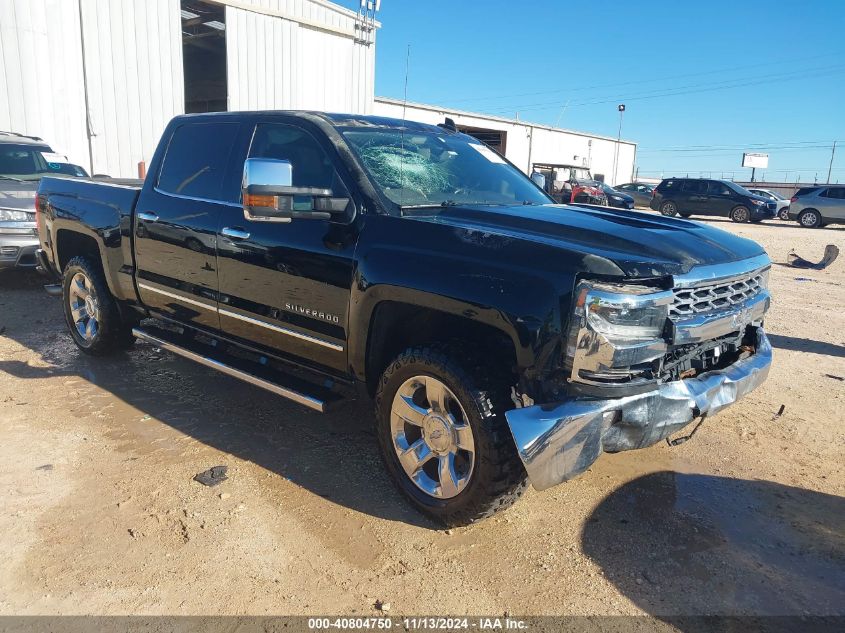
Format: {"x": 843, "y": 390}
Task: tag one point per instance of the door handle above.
{"x": 235, "y": 233}
{"x": 146, "y": 216}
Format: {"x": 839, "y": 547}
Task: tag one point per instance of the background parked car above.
{"x": 641, "y": 192}
{"x": 781, "y": 202}
{"x": 816, "y": 206}
{"x": 618, "y": 199}
{"x": 23, "y": 161}
{"x": 700, "y": 196}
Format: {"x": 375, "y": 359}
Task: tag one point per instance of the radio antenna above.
{"x": 402, "y": 129}
{"x": 407, "y": 72}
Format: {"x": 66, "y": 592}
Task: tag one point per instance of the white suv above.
{"x": 781, "y": 202}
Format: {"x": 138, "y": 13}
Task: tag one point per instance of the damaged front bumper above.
{"x": 559, "y": 441}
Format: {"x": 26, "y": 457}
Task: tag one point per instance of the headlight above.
{"x": 759, "y": 203}
{"x": 615, "y": 335}
{"x": 12, "y": 215}
{"x": 625, "y": 311}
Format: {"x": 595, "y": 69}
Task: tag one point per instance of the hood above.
{"x": 18, "y": 195}
{"x": 605, "y": 240}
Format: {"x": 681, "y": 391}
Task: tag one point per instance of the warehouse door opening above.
{"x": 204, "y": 55}
{"x": 495, "y": 139}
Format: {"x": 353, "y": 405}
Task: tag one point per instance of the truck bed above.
{"x": 99, "y": 210}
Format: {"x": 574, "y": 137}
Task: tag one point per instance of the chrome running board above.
{"x": 228, "y": 368}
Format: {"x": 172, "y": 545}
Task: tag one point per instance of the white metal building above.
{"x": 528, "y": 144}
{"x": 100, "y": 79}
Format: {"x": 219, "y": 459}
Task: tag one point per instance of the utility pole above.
{"x": 832, "y": 154}
{"x": 621, "y": 108}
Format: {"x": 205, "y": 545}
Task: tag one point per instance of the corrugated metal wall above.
{"x": 281, "y": 54}
{"x": 41, "y": 74}
{"x": 133, "y": 65}
{"x": 274, "y": 62}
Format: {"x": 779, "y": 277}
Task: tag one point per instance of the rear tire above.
{"x": 740, "y": 214}
{"x": 810, "y": 219}
{"x": 432, "y": 402}
{"x": 669, "y": 209}
{"x": 91, "y": 312}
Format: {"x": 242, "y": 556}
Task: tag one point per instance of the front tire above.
{"x": 810, "y": 219}
{"x": 740, "y": 214}
{"x": 91, "y": 312}
{"x": 783, "y": 214}
{"x": 443, "y": 435}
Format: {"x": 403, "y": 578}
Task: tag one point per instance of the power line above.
{"x": 683, "y": 90}
{"x": 661, "y": 78}
{"x": 729, "y": 150}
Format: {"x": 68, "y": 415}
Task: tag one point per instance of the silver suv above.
{"x": 23, "y": 161}
{"x": 817, "y": 206}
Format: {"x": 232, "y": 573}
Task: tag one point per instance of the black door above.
{"x": 177, "y": 219}
{"x": 720, "y": 198}
{"x": 693, "y": 198}
{"x": 286, "y": 285}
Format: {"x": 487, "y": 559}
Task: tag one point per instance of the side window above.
{"x": 197, "y": 159}
{"x": 835, "y": 192}
{"x": 718, "y": 189}
{"x": 667, "y": 184}
{"x": 310, "y": 164}
{"x": 695, "y": 186}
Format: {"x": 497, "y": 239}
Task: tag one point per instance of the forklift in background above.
{"x": 569, "y": 183}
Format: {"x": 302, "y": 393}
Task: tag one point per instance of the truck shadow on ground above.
{"x": 695, "y": 541}
{"x": 333, "y": 455}
{"x": 797, "y": 344}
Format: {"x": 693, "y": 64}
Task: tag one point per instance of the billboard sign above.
{"x": 757, "y": 161}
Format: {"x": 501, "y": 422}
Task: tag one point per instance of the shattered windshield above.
{"x": 420, "y": 169}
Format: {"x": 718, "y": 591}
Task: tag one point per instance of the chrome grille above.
{"x": 717, "y": 297}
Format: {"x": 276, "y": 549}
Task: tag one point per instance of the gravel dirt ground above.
{"x": 100, "y": 514}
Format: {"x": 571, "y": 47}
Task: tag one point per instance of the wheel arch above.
{"x": 395, "y": 325}
{"x": 70, "y": 244}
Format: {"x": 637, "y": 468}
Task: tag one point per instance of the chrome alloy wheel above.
{"x": 84, "y": 307}
{"x": 432, "y": 437}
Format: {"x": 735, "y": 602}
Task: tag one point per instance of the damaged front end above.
{"x": 645, "y": 362}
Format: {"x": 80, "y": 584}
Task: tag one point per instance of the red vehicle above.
{"x": 570, "y": 183}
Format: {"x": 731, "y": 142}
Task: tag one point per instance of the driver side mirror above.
{"x": 269, "y": 195}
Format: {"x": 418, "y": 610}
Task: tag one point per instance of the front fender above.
{"x": 469, "y": 278}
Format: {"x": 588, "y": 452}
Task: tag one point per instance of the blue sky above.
{"x": 744, "y": 74}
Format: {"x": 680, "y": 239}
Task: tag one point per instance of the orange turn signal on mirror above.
{"x": 252, "y": 200}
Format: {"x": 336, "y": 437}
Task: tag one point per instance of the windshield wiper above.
{"x": 430, "y": 205}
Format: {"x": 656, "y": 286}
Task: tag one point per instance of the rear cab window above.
{"x": 197, "y": 160}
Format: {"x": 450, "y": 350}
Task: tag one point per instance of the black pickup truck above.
{"x": 504, "y": 339}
